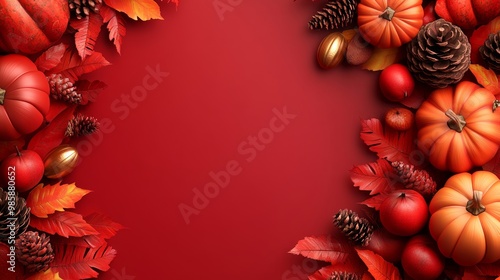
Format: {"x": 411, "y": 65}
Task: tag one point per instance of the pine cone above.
{"x": 418, "y": 180}
{"x": 359, "y": 230}
{"x": 490, "y": 51}
{"x": 34, "y": 251}
{"x": 343, "y": 275}
{"x": 439, "y": 55}
{"x": 15, "y": 218}
{"x": 82, "y": 8}
{"x": 63, "y": 89}
{"x": 335, "y": 14}
{"x": 81, "y": 125}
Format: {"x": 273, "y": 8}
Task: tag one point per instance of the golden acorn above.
{"x": 61, "y": 161}
{"x": 331, "y": 50}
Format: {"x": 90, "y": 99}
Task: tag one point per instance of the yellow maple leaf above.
{"x": 485, "y": 77}
{"x": 137, "y": 9}
{"x": 381, "y": 58}
{"x": 45, "y": 275}
{"x": 45, "y": 200}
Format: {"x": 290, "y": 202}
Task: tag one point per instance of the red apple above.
{"x": 387, "y": 245}
{"x": 404, "y": 212}
{"x": 396, "y": 82}
{"x": 23, "y": 168}
{"x": 10, "y": 268}
{"x": 421, "y": 258}
{"x": 400, "y": 119}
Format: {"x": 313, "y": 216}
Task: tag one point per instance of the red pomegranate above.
{"x": 30, "y": 26}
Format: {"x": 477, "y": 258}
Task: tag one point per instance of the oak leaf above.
{"x": 74, "y": 262}
{"x": 376, "y": 177}
{"x": 64, "y": 224}
{"x": 87, "y": 31}
{"x": 51, "y": 135}
{"x": 381, "y": 58}
{"x": 386, "y": 142}
{"x": 51, "y": 57}
{"x": 48, "y": 274}
{"x": 115, "y": 25}
{"x": 486, "y": 77}
{"x": 377, "y": 266}
{"x": 45, "y": 200}
{"x": 136, "y": 9}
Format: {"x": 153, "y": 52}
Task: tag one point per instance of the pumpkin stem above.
{"x": 2, "y": 95}
{"x": 456, "y": 122}
{"x": 387, "y": 14}
{"x": 474, "y": 205}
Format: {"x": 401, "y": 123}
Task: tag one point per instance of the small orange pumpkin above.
{"x": 465, "y": 218}
{"x": 389, "y": 23}
{"x": 458, "y": 127}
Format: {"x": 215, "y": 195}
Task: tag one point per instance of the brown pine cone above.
{"x": 418, "y": 180}
{"x": 13, "y": 221}
{"x": 62, "y": 88}
{"x": 81, "y": 125}
{"x": 82, "y": 8}
{"x": 439, "y": 55}
{"x": 34, "y": 251}
{"x": 359, "y": 230}
{"x": 490, "y": 51}
{"x": 335, "y": 14}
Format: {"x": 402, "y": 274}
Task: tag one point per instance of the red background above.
{"x": 226, "y": 75}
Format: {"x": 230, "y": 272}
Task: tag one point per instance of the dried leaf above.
{"x": 52, "y": 135}
{"x": 73, "y": 66}
{"x": 115, "y": 26}
{"x": 376, "y": 177}
{"x": 89, "y": 90}
{"x": 136, "y": 9}
{"x": 381, "y": 58}
{"x": 48, "y": 274}
{"x": 388, "y": 143}
{"x": 64, "y": 224}
{"x": 486, "y": 77}
{"x": 480, "y": 35}
{"x": 377, "y": 266}
{"x": 74, "y": 262}
{"x": 322, "y": 248}
{"x": 45, "y": 200}
{"x": 9, "y": 147}
{"x": 51, "y": 57}
{"x": 106, "y": 227}
{"x": 87, "y": 31}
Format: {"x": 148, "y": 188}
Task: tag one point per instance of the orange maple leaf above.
{"x": 45, "y": 200}
{"x": 45, "y": 275}
{"x": 381, "y": 58}
{"x": 486, "y": 77}
{"x": 137, "y": 9}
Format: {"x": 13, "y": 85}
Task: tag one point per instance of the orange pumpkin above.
{"x": 458, "y": 127}
{"x": 465, "y": 218}
{"x": 389, "y": 23}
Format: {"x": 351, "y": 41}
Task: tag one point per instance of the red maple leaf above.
{"x": 72, "y": 66}
{"x": 376, "y": 177}
{"x": 377, "y": 266}
{"x": 388, "y": 143}
{"x": 89, "y": 90}
{"x": 87, "y": 31}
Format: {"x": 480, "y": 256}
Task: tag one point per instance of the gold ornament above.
{"x": 60, "y": 162}
{"x": 331, "y": 50}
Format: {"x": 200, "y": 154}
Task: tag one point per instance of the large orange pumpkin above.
{"x": 465, "y": 218}
{"x": 389, "y": 23}
{"x": 458, "y": 128}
